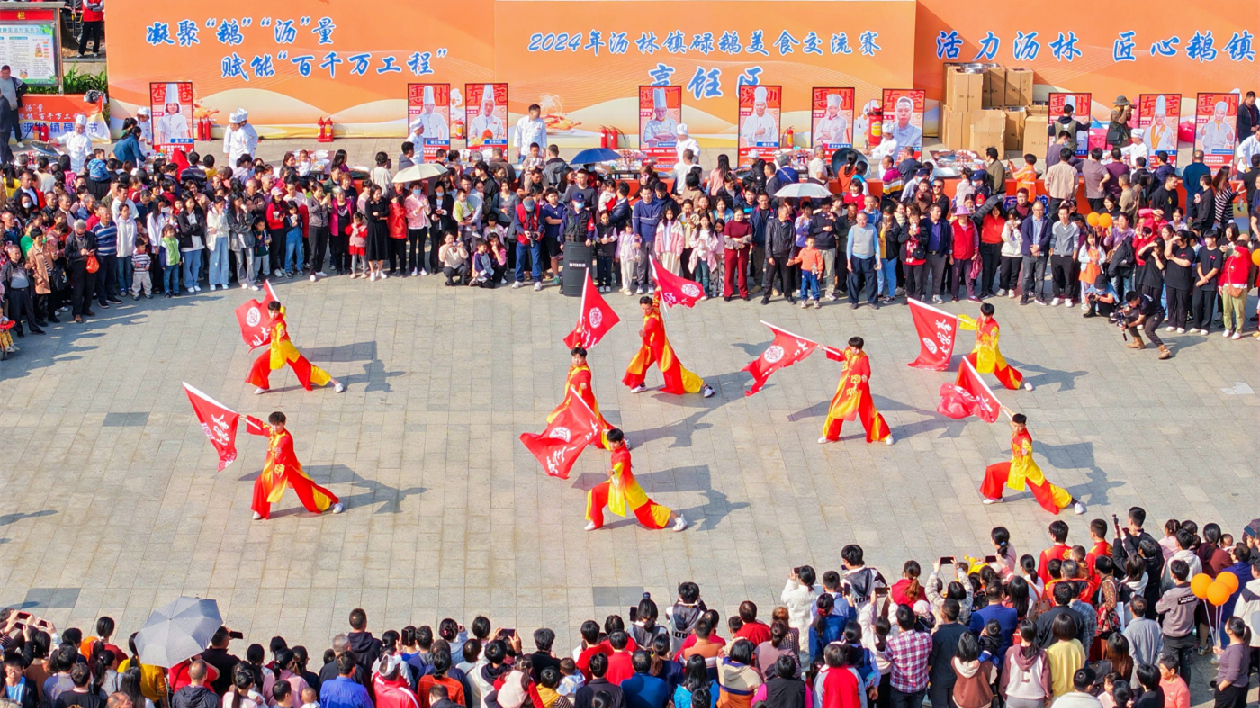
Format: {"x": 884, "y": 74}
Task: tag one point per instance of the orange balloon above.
{"x": 1255, "y": 257}
{"x": 1218, "y": 593}
{"x": 1199, "y": 585}
{"x": 1104, "y": 220}
{"x": 1092, "y": 218}
{"x": 1229, "y": 579}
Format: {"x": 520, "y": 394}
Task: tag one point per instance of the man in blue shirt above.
{"x": 644, "y": 217}
{"x": 344, "y": 691}
{"x": 643, "y": 690}
{"x": 1006, "y": 617}
{"x": 106, "y": 252}
{"x": 552, "y": 219}
{"x": 1191, "y": 174}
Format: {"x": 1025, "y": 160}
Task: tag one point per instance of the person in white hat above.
{"x": 904, "y": 133}
{"x": 1162, "y": 135}
{"x": 1136, "y": 148}
{"x": 171, "y": 126}
{"x": 686, "y": 142}
{"x": 486, "y": 120}
{"x": 759, "y": 128}
{"x": 240, "y": 138}
{"x": 1216, "y": 134}
{"x": 145, "y": 124}
{"x": 832, "y": 130}
{"x": 661, "y": 130}
{"x": 78, "y": 143}
{"x": 430, "y": 123}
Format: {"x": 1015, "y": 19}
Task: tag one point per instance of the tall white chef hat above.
{"x": 1160, "y": 105}
{"x": 235, "y": 117}
{"x": 487, "y": 94}
{"x": 244, "y": 114}
{"x": 682, "y": 128}
{"x": 833, "y": 99}
{"x": 172, "y": 93}
{"x": 759, "y": 94}
{"x": 429, "y": 98}
{"x": 658, "y": 99}
{"x": 80, "y": 119}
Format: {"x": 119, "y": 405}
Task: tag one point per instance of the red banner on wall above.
{"x": 903, "y": 118}
{"x": 759, "y": 108}
{"x": 1215, "y": 131}
{"x": 832, "y": 117}
{"x": 660, "y": 112}
{"x": 1081, "y": 104}
{"x": 486, "y": 109}
{"x": 1158, "y": 114}
{"x": 429, "y": 117}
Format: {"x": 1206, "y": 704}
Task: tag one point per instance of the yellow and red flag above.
{"x": 566, "y": 436}
{"x": 786, "y": 350}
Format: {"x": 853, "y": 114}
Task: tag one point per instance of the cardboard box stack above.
{"x": 1036, "y": 138}
{"x": 987, "y": 129}
{"x": 1007, "y": 94}
{"x": 964, "y": 97}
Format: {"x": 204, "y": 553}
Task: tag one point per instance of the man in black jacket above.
{"x": 1135, "y": 541}
{"x": 941, "y": 657}
{"x": 780, "y": 238}
{"x": 366, "y": 648}
{"x": 11, "y": 92}
{"x": 195, "y": 694}
{"x": 1064, "y": 591}
{"x": 823, "y": 229}
{"x": 938, "y": 239}
{"x": 599, "y": 666}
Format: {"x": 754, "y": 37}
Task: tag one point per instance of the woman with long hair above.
{"x": 1025, "y": 681}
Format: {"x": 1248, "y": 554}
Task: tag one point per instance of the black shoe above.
{"x": 791, "y": 299}
{"x": 89, "y": 313}
{"x": 853, "y": 306}
{"x": 745, "y": 298}
{"x": 728, "y": 298}
{"x": 41, "y": 323}
{"x": 20, "y": 333}
{"x": 37, "y": 330}
{"x": 103, "y": 305}
{"x": 113, "y": 299}
{"x": 168, "y": 294}
{"x": 148, "y": 296}
{"x": 765, "y": 301}
{"x": 53, "y": 319}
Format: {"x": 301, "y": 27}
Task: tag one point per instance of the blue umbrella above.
{"x": 593, "y": 155}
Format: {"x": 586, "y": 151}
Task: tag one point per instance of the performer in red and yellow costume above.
{"x": 1021, "y": 470}
{"x": 986, "y": 357}
{"x": 283, "y": 352}
{"x": 579, "y": 383}
{"x": 283, "y": 469}
{"x": 622, "y": 492}
{"x": 853, "y": 399}
{"x": 656, "y": 350}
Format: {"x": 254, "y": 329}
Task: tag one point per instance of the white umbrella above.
{"x": 415, "y": 173}
{"x": 178, "y": 631}
{"x": 803, "y": 189}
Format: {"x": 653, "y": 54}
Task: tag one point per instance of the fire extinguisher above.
{"x": 603, "y": 136}
{"x": 43, "y": 132}
{"x": 874, "y": 124}
{"x": 789, "y": 136}
{"x": 613, "y": 138}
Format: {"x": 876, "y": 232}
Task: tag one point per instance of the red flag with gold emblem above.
{"x": 219, "y": 423}
{"x": 564, "y": 439}
{"x": 969, "y": 395}
{"x": 786, "y": 350}
{"x": 936, "y": 330}
{"x": 253, "y": 321}
{"x": 595, "y": 318}
{"x": 675, "y": 289}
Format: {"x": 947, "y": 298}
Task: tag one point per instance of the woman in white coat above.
{"x": 217, "y": 243}
{"x": 799, "y": 596}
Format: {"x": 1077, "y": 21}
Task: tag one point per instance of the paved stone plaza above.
{"x": 113, "y": 506}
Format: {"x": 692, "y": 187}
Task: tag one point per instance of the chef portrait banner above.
{"x": 759, "y": 108}
{"x": 1215, "y": 127}
{"x": 486, "y": 110}
{"x": 1158, "y": 115}
{"x": 171, "y": 110}
{"x": 903, "y": 119}
{"x": 429, "y": 117}
{"x": 660, "y": 112}
{"x": 832, "y": 117}
{"x": 1080, "y": 103}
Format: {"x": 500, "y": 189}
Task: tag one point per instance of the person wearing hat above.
{"x": 661, "y": 130}
{"x": 832, "y": 130}
{"x": 78, "y": 143}
{"x": 1216, "y": 134}
{"x": 240, "y": 138}
{"x": 759, "y": 128}
{"x": 1118, "y": 130}
{"x": 486, "y": 121}
{"x": 1162, "y": 134}
{"x": 1136, "y": 149}
{"x": 685, "y": 143}
{"x": 145, "y": 124}
{"x": 1100, "y": 298}
{"x": 171, "y": 126}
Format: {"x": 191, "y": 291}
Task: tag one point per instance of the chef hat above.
{"x": 833, "y": 99}
{"x": 682, "y": 128}
{"x": 429, "y": 99}
{"x": 759, "y": 94}
{"x": 143, "y": 110}
{"x": 1160, "y": 105}
{"x": 235, "y": 117}
{"x": 487, "y": 93}
{"x": 172, "y": 93}
{"x": 244, "y": 114}
{"x": 1137, "y": 133}
{"x": 658, "y": 99}
{"x": 1222, "y": 106}
{"x": 80, "y": 119}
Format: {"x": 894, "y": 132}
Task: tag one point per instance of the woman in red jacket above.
{"x": 839, "y": 678}
{"x": 397, "y": 235}
{"x": 913, "y": 257}
{"x": 965, "y": 250}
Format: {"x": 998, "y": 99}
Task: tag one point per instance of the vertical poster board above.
{"x": 429, "y": 117}
{"x": 903, "y": 119}
{"x": 1081, "y": 104}
{"x": 1215, "y": 127}
{"x": 30, "y": 48}
{"x": 487, "y": 115}
{"x": 1158, "y": 115}
{"x": 171, "y": 110}
{"x": 759, "y": 108}
{"x": 660, "y": 112}
{"x": 832, "y": 111}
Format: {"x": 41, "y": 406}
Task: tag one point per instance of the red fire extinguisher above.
{"x": 43, "y": 132}
{"x": 325, "y": 130}
{"x": 789, "y": 136}
{"x": 613, "y": 138}
{"x": 874, "y": 124}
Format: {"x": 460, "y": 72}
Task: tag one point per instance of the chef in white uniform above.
{"x": 431, "y": 123}
{"x": 904, "y": 133}
{"x": 1216, "y": 134}
{"x": 759, "y": 128}
{"x": 78, "y": 143}
{"x": 486, "y": 120}
{"x": 662, "y": 129}
{"x": 172, "y": 126}
{"x": 145, "y": 123}
{"x": 1161, "y": 135}
{"x": 833, "y": 128}
{"x": 240, "y": 138}
{"x": 686, "y": 142}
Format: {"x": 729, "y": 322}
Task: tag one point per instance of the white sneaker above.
{"x": 708, "y": 391}
{"x": 338, "y": 508}
{"x": 638, "y": 389}
{"x": 1181, "y": 330}
{"x": 1011, "y": 295}
{"x": 244, "y": 286}
{"x": 824, "y": 441}
{"x": 680, "y": 524}
{"x": 1236, "y": 335}
{"x": 517, "y": 285}
{"x": 888, "y": 440}
{"x": 213, "y": 287}
{"x": 1078, "y": 507}
{"x": 1227, "y": 333}
{"x": 992, "y": 501}
{"x": 259, "y": 391}
{"x": 279, "y": 273}
{"x": 936, "y": 298}
{"x": 703, "y": 298}
{"x": 1001, "y": 292}
{"x": 1028, "y": 386}
{"x": 257, "y": 516}
{"x": 384, "y": 276}
{"x": 255, "y": 288}
{"x": 423, "y": 271}
{"x": 1068, "y": 304}
{"x": 804, "y": 304}
{"x": 197, "y": 288}
{"x": 1084, "y": 307}
{"x": 590, "y": 526}
{"x": 537, "y": 287}
{"x": 1169, "y": 328}
{"x": 415, "y": 271}
{"x": 1054, "y": 302}
{"x": 313, "y": 277}
{"x": 190, "y": 290}
{"x": 639, "y": 291}
{"x": 339, "y": 387}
